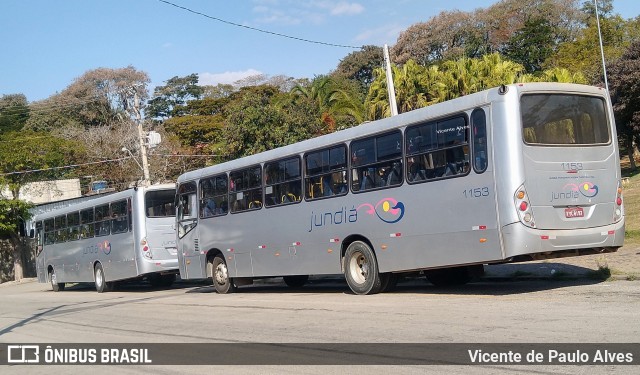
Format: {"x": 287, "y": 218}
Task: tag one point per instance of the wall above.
{"x": 6, "y": 259}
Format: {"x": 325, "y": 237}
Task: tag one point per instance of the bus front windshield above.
{"x": 564, "y": 119}
{"x": 160, "y": 203}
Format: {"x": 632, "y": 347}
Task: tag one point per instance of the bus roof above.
{"x": 430, "y": 112}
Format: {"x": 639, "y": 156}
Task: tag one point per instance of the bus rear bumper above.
{"x": 524, "y": 243}
{"x": 161, "y": 266}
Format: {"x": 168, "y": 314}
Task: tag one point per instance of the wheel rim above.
{"x": 53, "y": 278}
{"x": 220, "y": 273}
{"x": 99, "y": 278}
{"x": 359, "y": 267}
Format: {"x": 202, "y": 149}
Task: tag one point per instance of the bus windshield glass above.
{"x": 160, "y": 203}
{"x": 564, "y": 119}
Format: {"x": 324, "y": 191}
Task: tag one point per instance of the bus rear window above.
{"x": 564, "y": 119}
{"x": 160, "y": 203}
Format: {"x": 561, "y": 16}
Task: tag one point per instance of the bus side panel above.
{"x": 118, "y": 257}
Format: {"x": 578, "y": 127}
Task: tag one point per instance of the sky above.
{"x": 47, "y": 44}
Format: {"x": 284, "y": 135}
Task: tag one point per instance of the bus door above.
{"x": 40, "y": 268}
{"x": 189, "y": 258}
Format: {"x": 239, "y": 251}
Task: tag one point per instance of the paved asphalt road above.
{"x": 543, "y": 311}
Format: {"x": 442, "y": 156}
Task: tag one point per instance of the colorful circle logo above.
{"x": 588, "y": 189}
{"x": 106, "y": 247}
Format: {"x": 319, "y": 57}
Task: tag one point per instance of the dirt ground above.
{"x": 624, "y": 264}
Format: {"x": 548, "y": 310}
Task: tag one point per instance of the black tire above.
{"x": 446, "y": 277}
{"x": 55, "y": 286}
{"x": 101, "y": 282}
{"x": 220, "y": 276}
{"x": 389, "y": 282}
{"x": 361, "y": 269}
{"x": 297, "y": 281}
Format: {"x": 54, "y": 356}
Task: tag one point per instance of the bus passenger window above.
{"x": 480, "y": 152}
{"x": 213, "y": 196}
{"x": 245, "y": 189}
{"x": 283, "y": 182}
{"x": 437, "y": 149}
{"x": 377, "y": 162}
{"x": 326, "y": 173}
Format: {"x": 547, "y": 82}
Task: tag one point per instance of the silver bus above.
{"x": 515, "y": 173}
{"x": 103, "y": 240}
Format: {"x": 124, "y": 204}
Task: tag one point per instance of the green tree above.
{"x": 261, "y": 118}
{"x": 100, "y": 97}
{"x": 14, "y": 112}
{"x": 20, "y": 152}
{"x": 334, "y": 98}
{"x": 359, "y": 66}
{"x": 415, "y": 87}
{"x": 531, "y": 45}
{"x": 624, "y": 83}
{"x": 170, "y": 99}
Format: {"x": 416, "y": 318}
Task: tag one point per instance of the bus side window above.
{"x": 326, "y": 173}
{"x": 480, "y": 152}
{"x": 376, "y": 162}
{"x": 86, "y": 223}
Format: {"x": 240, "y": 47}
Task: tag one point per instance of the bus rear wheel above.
{"x": 297, "y": 281}
{"x": 361, "y": 269}
{"x": 55, "y": 285}
{"x": 220, "y": 275}
{"x": 101, "y": 282}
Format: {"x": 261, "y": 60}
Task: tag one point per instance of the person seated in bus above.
{"x": 338, "y": 183}
{"x": 367, "y": 178}
{"x": 209, "y": 208}
{"x": 327, "y": 191}
{"x": 395, "y": 174}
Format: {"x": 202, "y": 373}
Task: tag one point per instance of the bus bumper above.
{"x": 162, "y": 266}
{"x": 519, "y": 240}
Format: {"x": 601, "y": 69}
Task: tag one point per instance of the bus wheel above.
{"x": 55, "y": 285}
{"x": 295, "y": 281}
{"x": 220, "y": 275}
{"x": 361, "y": 269}
{"x": 444, "y": 277}
{"x": 101, "y": 283}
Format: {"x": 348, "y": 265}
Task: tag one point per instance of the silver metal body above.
{"x": 121, "y": 252}
{"x": 460, "y": 220}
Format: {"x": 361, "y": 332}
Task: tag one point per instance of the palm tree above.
{"x": 332, "y": 100}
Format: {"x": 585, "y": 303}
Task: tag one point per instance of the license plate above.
{"x": 572, "y": 212}
{"x": 172, "y": 250}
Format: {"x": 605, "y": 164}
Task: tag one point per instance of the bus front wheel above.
{"x": 361, "y": 269}
{"x": 55, "y": 285}
{"x": 220, "y": 275}
{"x": 101, "y": 283}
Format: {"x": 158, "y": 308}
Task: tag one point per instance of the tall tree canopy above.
{"x": 168, "y": 100}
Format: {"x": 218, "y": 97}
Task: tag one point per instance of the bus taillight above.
{"x": 521, "y": 201}
{"x": 617, "y": 214}
{"x": 145, "y": 248}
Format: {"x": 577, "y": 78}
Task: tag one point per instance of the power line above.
{"x": 65, "y": 166}
{"x": 259, "y": 30}
{"x": 99, "y": 162}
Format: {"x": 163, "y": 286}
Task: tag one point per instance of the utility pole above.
{"x": 143, "y": 148}
{"x": 604, "y": 66}
{"x": 390, "y": 89}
